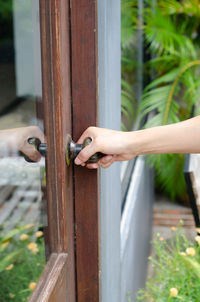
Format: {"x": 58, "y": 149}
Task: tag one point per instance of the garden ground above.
{"x": 166, "y": 216}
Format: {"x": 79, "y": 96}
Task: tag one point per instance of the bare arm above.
{"x": 183, "y": 137}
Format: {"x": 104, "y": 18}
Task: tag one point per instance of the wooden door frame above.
{"x": 69, "y": 69}
{"x": 58, "y": 278}
{"x": 84, "y": 107}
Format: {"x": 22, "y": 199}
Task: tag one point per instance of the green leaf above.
{"x": 9, "y": 259}
{"x": 166, "y": 78}
{"x": 193, "y": 265}
{"x": 164, "y": 36}
{"x": 126, "y": 114}
{"x": 13, "y": 233}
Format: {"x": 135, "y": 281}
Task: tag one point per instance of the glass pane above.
{"x": 22, "y": 183}
{"x": 132, "y": 59}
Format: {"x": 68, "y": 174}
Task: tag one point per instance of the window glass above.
{"x": 22, "y": 183}
{"x": 132, "y": 75}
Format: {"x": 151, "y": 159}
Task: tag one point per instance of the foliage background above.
{"x": 20, "y": 263}
{"x": 176, "y": 266}
{"x": 171, "y": 40}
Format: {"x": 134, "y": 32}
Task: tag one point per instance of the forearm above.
{"x": 183, "y": 137}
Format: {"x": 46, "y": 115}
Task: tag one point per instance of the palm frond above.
{"x": 128, "y": 21}
{"x": 127, "y": 103}
{"x": 161, "y": 99}
{"x": 174, "y": 85}
{"x": 165, "y": 62}
{"x": 169, "y": 169}
{"x": 164, "y": 38}
{"x": 172, "y": 35}
{"x": 173, "y": 7}
{"x": 169, "y": 77}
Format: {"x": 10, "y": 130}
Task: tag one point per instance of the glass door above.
{"x": 48, "y": 67}
{"x": 36, "y": 239}
{"x": 22, "y": 183}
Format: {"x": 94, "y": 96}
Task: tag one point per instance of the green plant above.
{"x": 21, "y": 262}
{"x": 172, "y": 36}
{"x": 6, "y": 26}
{"x": 171, "y": 32}
{"x": 128, "y": 61}
{"x": 176, "y": 270}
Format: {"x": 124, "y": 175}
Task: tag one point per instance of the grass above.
{"x": 22, "y": 260}
{"x": 176, "y": 271}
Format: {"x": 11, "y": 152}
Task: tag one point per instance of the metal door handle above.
{"x": 72, "y": 149}
{"x": 41, "y": 147}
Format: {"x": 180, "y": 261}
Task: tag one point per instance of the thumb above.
{"x": 85, "y": 154}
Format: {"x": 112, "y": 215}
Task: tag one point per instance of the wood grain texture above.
{"x": 84, "y": 104}
{"x": 52, "y": 285}
{"x": 56, "y": 77}
{"x": 57, "y": 115}
{"x": 58, "y": 280}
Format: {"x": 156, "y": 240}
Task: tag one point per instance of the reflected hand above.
{"x": 17, "y": 140}
{"x": 114, "y": 144}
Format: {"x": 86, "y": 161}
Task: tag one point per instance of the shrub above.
{"x": 22, "y": 260}
{"x": 176, "y": 275}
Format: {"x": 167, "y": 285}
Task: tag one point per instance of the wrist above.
{"x": 141, "y": 142}
{"x": 132, "y": 143}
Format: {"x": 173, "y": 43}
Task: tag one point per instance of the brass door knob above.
{"x": 41, "y": 147}
{"x": 72, "y": 149}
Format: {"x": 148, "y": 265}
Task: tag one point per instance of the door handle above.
{"x": 72, "y": 149}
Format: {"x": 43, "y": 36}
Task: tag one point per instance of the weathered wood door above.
{"x": 69, "y": 68}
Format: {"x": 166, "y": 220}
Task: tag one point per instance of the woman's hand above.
{"x": 15, "y": 140}
{"x": 114, "y": 144}
{"x": 182, "y": 137}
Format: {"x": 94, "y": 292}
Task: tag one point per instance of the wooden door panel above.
{"x": 69, "y": 65}
{"x": 57, "y": 282}
{"x": 84, "y": 106}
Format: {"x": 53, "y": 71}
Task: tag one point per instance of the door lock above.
{"x": 72, "y": 149}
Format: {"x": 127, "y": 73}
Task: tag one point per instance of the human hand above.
{"x": 114, "y": 144}
{"x": 15, "y": 140}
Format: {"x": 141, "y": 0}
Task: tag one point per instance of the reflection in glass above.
{"x": 22, "y": 183}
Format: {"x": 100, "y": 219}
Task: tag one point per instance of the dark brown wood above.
{"x": 52, "y": 285}
{"x": 58, "y": 281}
{"x": 84, "y": 96}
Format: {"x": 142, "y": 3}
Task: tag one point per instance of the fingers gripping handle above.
{"x": 72, "y": 149}
{"x": 40, "y": 147}
{"x": 95, "y": 157}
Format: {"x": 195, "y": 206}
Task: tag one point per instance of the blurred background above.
{"x": 160, "y": 75}
{"x": 161, "y": 85}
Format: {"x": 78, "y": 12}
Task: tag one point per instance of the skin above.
{"x": 14, "y": 140}
{"x": 183, "y": 137}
